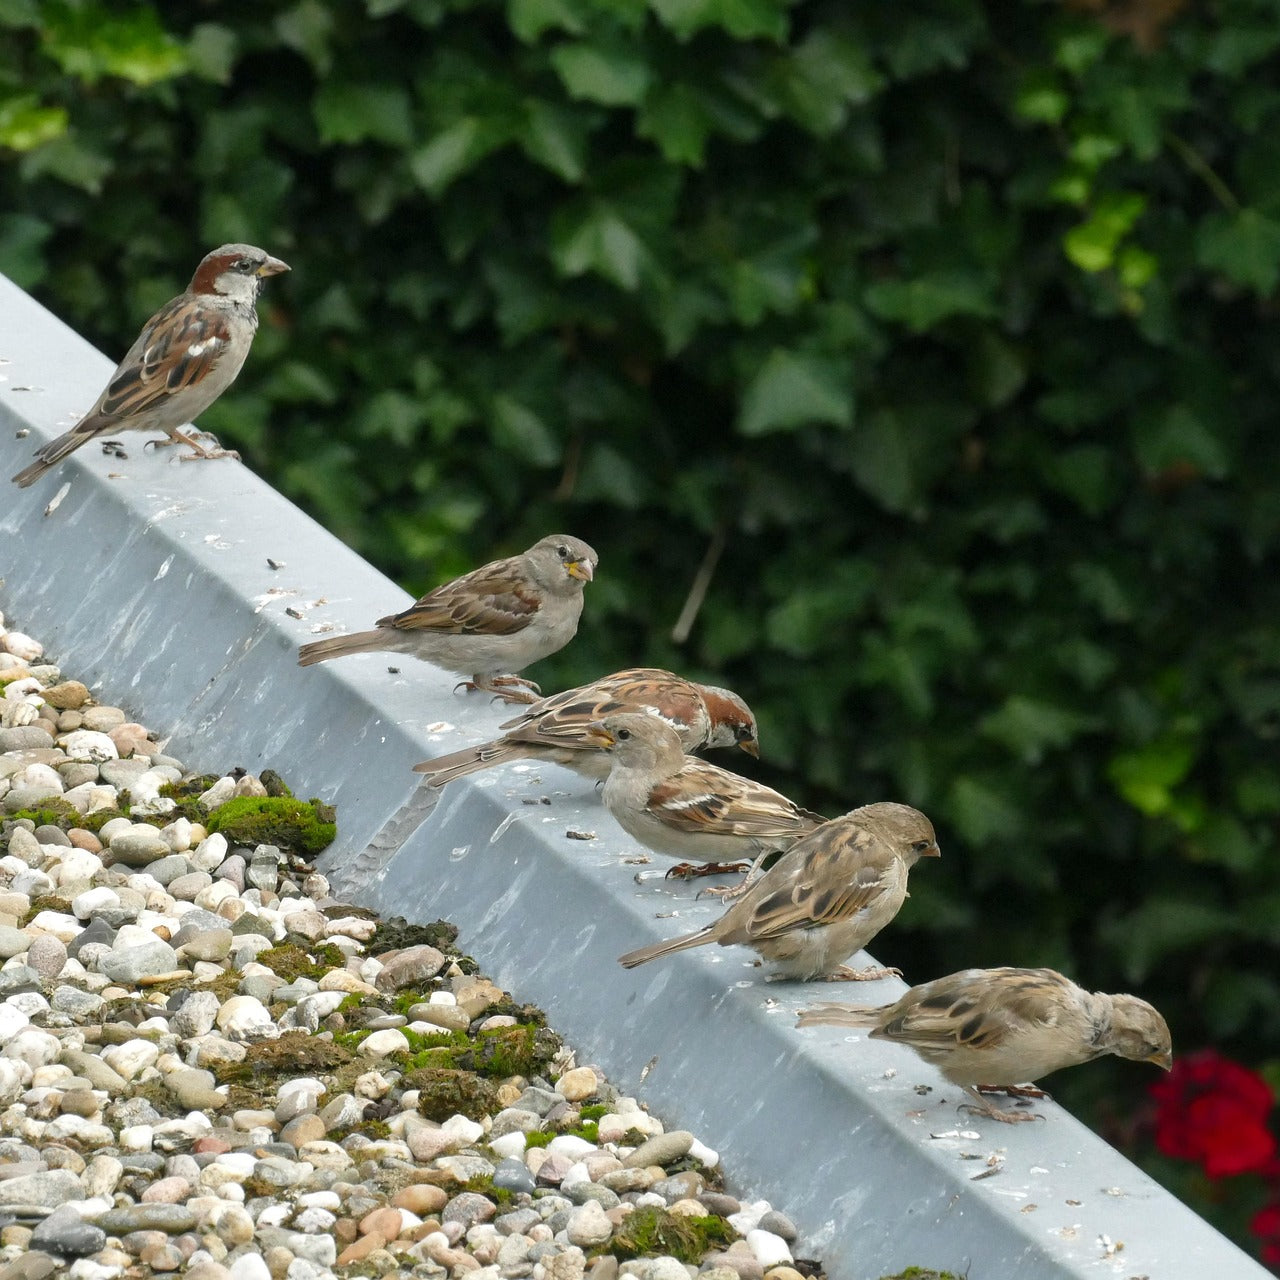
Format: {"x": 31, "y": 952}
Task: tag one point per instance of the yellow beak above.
{"x": 580, "y": 569}
{"x": 751, "y": 747}
{"x": 1163, "y": 1059}
{"x": 600, "y": 736}
{"x": 272, "y": 267}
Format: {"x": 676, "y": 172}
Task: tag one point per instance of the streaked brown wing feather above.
{"x": 703, "y": 798}
{"x": 178, "y": 347}
{"x": 833, "y": 877}
{"x": 494, "y": 600}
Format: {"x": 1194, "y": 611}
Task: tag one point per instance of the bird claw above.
{"x": 995, "y": 1113}
{"x": 692, "y": 870}
{"x": 873, "y": 973}
{"x": 503, "y": 688}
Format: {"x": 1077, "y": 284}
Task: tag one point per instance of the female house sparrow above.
{"x": 824, "y": 899}
{"x": 186, "y": 356}
{"x": 556, "y": 728}
{"x": 685, "y": 807}
{"x": 490, "y": 622}
{"x": 998, "y": 1028}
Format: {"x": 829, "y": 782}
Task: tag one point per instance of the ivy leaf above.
{"x": 22, "y": 240}
{"x": 677, "y": 119}
{"x": 556, "y": 138}
{"x": 1177, "y": 437}
{"x": 25, "y": 124}
{"x": 613, "y": 77}
{"x": 530, "y": 18}
{"x": 925, "y": 301}
{"x": 1029, "y": 727}
{"x": 1244, "y": 246}
{"x": 1147, "y": 776}
{"x": 820, "y": 79}
{"x": 1093, "y": 243}
{"x": 595, "y": 237}
{"x": 794, "y": 388}
{"x": 353, "y": 111}
{"x": 743, "y": 19}
{"x": 451, "y": 153}
{"x": 89, "y": 43}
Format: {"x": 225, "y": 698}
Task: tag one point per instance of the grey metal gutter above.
{"x": 150, "y": 581}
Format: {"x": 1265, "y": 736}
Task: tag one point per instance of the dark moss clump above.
{"x": 374, "y": 1130}
{"x": 651, "y": 1231}
{"x": 96, "y": 821}
{"x": 397, "y": 933}
{"x": 51, "y": 813}
{"x": 922, "y": 1273}
{"x": 444, "y": 1093}
{"x": 44, "y": 902}
{"x": 291, "y": 962}
{"x": 511, "y": 1051}
{"x": 275, "y": 784}
{"x": 524, "y": 1013}
{"x": 304, "y": 826}
{"x": 294, "y": 1054}
{"x": 186, "y": 794}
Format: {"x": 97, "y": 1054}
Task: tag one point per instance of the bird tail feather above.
{"x": 51, "y": 454}
{"x": 839, "y": 1015}
{"x": 444, "y": 769}
{"x": 645, "y": 954}
{"x": 341, "y": 647}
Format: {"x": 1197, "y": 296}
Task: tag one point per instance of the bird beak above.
{"x": 580, "y": 569}
{"x": 1163, "y": 1059}
{"x": 932, "y": 852}
{"x": 272, "y": 267}
{"x": 600, "y": 736}
{"x": 751, "y": 747}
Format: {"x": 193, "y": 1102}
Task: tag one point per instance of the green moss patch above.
{"x": 292, "y": 962}
{"x": 306, "y": 826}
{"x": 397, "y": 933}
{"x": 294, "y": 1054}
{"x": 444, "y": 1092}
{"x": 651, "y": 1231}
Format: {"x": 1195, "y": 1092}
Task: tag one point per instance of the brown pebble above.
{"x": 783, "y": 1273}
{"x": 67, "y": 696}
{"x": 130, "y": 739}
{"x": 162, "y": 1257}
{"x": 361, "y": 1249}
{"x": 303, "y": 1129}
{"x": 421, "y": 1199}
{"x": 278, "y": 1260}
{"x": 216, "y": 1145}
{"x": 384, "y": 1222}
{"x": 421, "y": 1231}
{"x": 345, "y": 1230}
{"x": 83, "y": 839}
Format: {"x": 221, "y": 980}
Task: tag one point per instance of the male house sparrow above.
{"x": 557, "y": 728}
{"x": 490, "y": 622}
{"x": 824, "y": 899}
{"x": 685, "y": 807}
{"x": 999, "y": 1028}
{"x": 186, "y": 356}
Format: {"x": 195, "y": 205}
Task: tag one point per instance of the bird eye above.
{"x": 921, "y": 845}
{"x": 245, "y": 264}
{"x": 624, "y": 733}
{"x": 562, "y": 552}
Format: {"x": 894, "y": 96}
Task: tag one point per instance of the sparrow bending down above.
{"x": 489, "y": 623}
{"x": 1000, "y": 1028}
{"x": 558, "y": 728}
{"x": 824, "y": 899}
{"x": 186, "y": 356}
{"x": 688, "y": 808}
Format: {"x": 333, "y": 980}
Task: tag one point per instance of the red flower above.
{"x": 1266, "y": 1225}
{"x": 1215, "y": 1111}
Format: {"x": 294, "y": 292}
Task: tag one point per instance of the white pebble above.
{"x": 770, "y": 1250}
{"x": 87, "y": 746}
{"x": 21, "y": 646}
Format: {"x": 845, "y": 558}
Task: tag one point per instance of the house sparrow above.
{"x": 490, "y": 622}
{"x": 824, "y": 899}
{"x": 685, "y": 807}
{"x": 998, "y": 1028}
{"x": 186, "y": 356}
{"x": 556, "y": 728}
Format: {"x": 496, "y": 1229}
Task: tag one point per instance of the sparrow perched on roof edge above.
{"x": 1000, "y": 1028}
{"x": 689, "y": 808}
{"x": 186, "y": 356}
{"x": 824, "y": 899}
{"x": 489, "y": 623}
{"x": 557, "y": 728}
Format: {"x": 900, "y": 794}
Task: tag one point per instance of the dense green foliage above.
{"x": 940, "y": 337}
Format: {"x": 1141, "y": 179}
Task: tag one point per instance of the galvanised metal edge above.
{"x": 152, "y": 580}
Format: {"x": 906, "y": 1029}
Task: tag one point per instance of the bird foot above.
{"x": 503, "y": 688}
{"x": 872, "y": 973}
{"x": 1013, "y": 1090}
{"x": 692, "y": 870}
{"x": 199, "y": 452}
{"x": 995, "y": 1113}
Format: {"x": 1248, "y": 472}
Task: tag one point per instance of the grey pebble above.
{"x": 661, "y": 1149}
{"x": 147, "y": 960}
{"x": 779, "y": 1224}
{"x": 514, "y": 1175}
{"x": 65, "y": 1232}
{"x": 172, "y": 1219}
{"x": 468, "y": 1208}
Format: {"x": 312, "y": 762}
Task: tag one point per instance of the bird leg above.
{"x": 985, "y": 1108}
{"x": 871, "y": 974}
{"x": 506, "y": 688}
{"x": 692, "y": 870}
{"x": 728, "y": 892}
{"x": 1013, "y": 1090}
{"x": 199, "y": 451}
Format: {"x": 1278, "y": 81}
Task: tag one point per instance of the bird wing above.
{"x": 975, "y": 1009}
{"x": 494, "y": 600}
{"x": 178, "y": 346}
{"x": 832, "y": 875}
{"x": 706, "y": 799}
